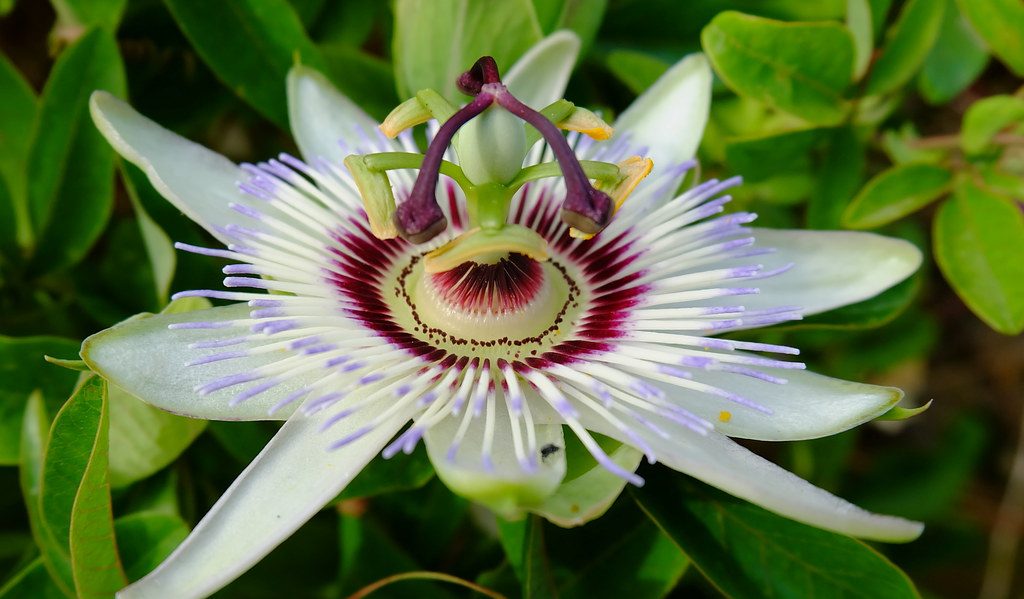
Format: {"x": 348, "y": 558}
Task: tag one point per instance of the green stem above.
{"x": 602, "y": 171}
{"x": 388, "y": 161}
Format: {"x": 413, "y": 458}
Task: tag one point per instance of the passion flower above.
{"x": 489, "y": 312}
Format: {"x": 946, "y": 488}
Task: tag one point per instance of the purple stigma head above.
{"x": 483, "y": 71}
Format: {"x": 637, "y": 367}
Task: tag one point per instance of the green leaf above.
{"x": 84, "y": 14}
{"x": 580, "y": 16}
{"x": 250, "y": 45}
{"x": 34, "y": 431}
{"x": 839, "y": 178}
{"x": 987, "y": 117}
{"x": 22, "y": 371}
{"x": 17, "y": 113}
{"x": 635, "y": 69}
{"x": 800, "y": 68}
{"x": 145, "y": 539}
{"x": 995, "y": 179}
{"x": 399, "y": 473}
{"x": 895, "y": 193}
{"x": 956, "y": 59}
{"x": 70, "y": 164}
{"x": 75, "y": 505}
{"x": 538, "y": 580}
{"x": 469, "y": 28}
{"x": 907, "y": 44}
{"x": 1000, "y": 23}
{"x": 32, "y": 582}
{"x": 144, "y": 439}
{"x": 620, "y": 555}
{"x": 766, "y": 156}
{"x": 746, "y": 551}
{"x": 868, "y": 314}
{"x": 366, "y": 80}
{"x": 977, "y": 237}
{"x": 858, "y": 21}
{"x": 159, "y": 247}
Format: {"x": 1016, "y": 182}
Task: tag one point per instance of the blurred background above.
{"x": 923, "y": 141}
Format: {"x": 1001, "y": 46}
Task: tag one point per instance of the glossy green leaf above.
{"x": 635, "y": 69}
{"x": 469, "y": 28}
{"x": 583, "y": 17}
{"x": 146, "y": 538}
{"x": 1002, "y": 182}
{"x": 87, "y": 13}
{"x": 159, "y": 247}
{"x": 34, "y": 431}
{"x": 17, "y": 113}
{"x": 895, "y": 193}
{"x": 987, "y": 117}
{"x": 144, "y": 439}
{"x": 999, "y": 22}
{"x": 956, "y": 59}
{"x": 868, "y": 314}
{"x": 22, "y": 371}
{"x": 366, "y": 80}
{"x": 907, "y": 44}
{"x": 801, "y": 68}
{"x": 858, "y": 21}
{"x": 399, "y": 473}
{"x": 250, "y": 45}
{"x": 746, "y": 551}
{"x": 978, "y": 236}
{"x": 763, "y": 157}
{"x": 537, "y": 577}
{"x": 32, "y": 582}
{"x": 77, "y": 518}
{"x": 70, "y": 164}
{"x": 901, "y": 145}
{"x": 840, "y": 175}
{"x": 622, "y": 554}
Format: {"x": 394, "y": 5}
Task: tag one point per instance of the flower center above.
{"x": 511, "y": 308}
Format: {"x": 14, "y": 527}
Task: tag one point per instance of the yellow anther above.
{"x": 481, "y": 245}
{"x": 725, "y": 416}
{"x": 587, "y": 123}
{"x": 378, "y": 199}
{"x": 426, "y": 105}
{"x": 632, "y": 171}
{"x": 408, "y": 114}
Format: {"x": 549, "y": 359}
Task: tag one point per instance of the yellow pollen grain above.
{"x": 725, "y": 416}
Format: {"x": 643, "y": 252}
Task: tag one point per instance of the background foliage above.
{"x": 899, "y": 116}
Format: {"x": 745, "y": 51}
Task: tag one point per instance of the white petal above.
{"x": 720, "y": 462}
{"x": 668, "y": 119}
{"x": 148, "y": 360}
{"x": 830, "y": 268}
{"x": 199, "y": 182}
{"x": 325, "y": 123}
{"x": 506, "y": 487}
{"x": 294, "y": 476}
{"x": 589, "y": 495}
{"x": 808, "y": 406}
{"x": 540, "y": 75}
